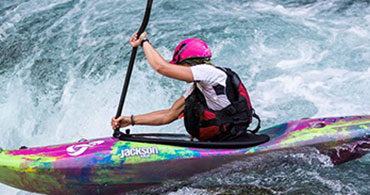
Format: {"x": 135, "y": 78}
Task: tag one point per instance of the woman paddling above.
{"x": 215, "y": 106}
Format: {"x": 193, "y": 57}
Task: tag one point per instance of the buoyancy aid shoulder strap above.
{"x": 230, "y": 73}
{"x": 231, "y": 86}
{"x": 199, "y": 94}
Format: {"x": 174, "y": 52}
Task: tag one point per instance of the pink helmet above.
{"x": 191, "y": 49}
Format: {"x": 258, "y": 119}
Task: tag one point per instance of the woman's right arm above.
{"x": 156, "y": 61}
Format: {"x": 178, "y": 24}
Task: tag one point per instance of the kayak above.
{"x": 110, "y": 165}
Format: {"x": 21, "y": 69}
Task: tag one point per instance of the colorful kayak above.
{"x": 109, "y": 165}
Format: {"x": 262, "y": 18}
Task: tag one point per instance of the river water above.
{"x": 63, "y": 62}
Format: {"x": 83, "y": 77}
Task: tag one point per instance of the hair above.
{"x": 196, "y": 61}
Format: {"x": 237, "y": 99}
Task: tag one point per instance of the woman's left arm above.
{"x": 156, "y": 61}
{"x": 160, "y": 117}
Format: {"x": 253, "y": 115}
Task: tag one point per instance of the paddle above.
{"x": 117, "y": 133}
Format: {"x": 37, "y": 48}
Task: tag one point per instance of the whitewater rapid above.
{"x": 63, "y": 62}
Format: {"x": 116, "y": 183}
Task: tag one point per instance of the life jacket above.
{"x": 232, "y": 121}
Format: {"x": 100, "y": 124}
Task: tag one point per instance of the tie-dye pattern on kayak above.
{"x": 111, "y": 166}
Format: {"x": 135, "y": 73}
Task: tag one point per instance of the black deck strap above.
{"x": 259, "y": 122}
{"x": 248, "y": 140}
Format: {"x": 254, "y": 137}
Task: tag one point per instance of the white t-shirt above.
{"x": 211, "y": 81}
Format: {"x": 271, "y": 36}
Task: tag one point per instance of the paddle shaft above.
{"x": 131, "y": 64}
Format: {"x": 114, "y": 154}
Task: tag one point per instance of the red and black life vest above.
{"x": 208, "y": 125}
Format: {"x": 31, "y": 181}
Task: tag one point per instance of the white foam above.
{"x": 304, "y": 58}
{"x": 190, "y": 190}
{"x": 263, "y": 6}
{"x": 7, "y": 190}
{"x": 359, "y": 31}
{"x": 318, "y": 87}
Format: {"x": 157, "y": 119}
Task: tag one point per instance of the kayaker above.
{"x": 215, "y": 106}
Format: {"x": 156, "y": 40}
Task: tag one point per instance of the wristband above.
{"x": 132, "y": 120}
{"x": 142, "y": 42}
